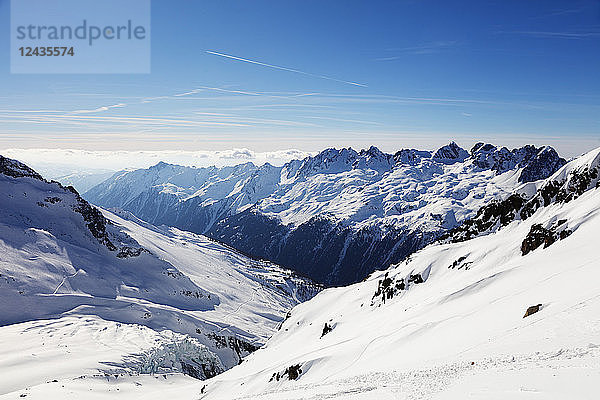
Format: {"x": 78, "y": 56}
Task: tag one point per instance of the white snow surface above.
{"x": 48, "y": 353}
{"x": 459, "y": 334}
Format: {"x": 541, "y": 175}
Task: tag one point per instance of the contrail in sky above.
{"x": 284, "y": 68}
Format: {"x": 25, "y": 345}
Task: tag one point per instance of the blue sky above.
{"x": 507, "y": 72}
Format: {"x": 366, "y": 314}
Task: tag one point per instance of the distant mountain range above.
{"x": 336, "y": 216}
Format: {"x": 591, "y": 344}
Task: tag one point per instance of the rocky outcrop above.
{"x": 489, "y": 217}
{"x": 292, "y": 373}
{"x": 538, "y": 236}
{"x": 95, "y": 221}
{"x": 388, "y": 287}
{"x": 532, "y": 310}
{"x": 240, "y": 347}
{"x": 16, "y": 169}
{"x": 326, "y": 329}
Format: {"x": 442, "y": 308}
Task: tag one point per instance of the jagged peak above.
{"x": 372, "y": 151}
{"x": 539, "y": 163}
{"x": 162, "y": 165}
{"x": 246, "y": 165}
{"x": 373, "y": 158}
{"x": 332, "y": 152}
{"x": 328, "y": 160}
{"x": 411, "y": 156}
{"x": 482, "y": 147}
{"x": 451, "y": 153}
{"x": 536, "y": 163}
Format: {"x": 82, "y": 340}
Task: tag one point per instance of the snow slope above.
{"x": 334, "y": 217}
{"x": 61, "y": 258}
{"x": 50, "y": 353}
{"x": 254, "y": 295}
{"x": 448, "y": 322}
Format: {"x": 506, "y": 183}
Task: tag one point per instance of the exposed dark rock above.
{"x": 126, "y": 252}
{"x": 292, "y": 372}
{"x": 96, "y": 222}
{"x": 543, "y": 164}
{"x": 564, "y": 234}
{"x": 287, "y": 316}
{"x": 538, "y": 235}
{"x": 532, "y": 310}
{"x": 326, "y": 329}
{"x": 52, "y": 200}
{"x": 457, "y": 262}
{"x": 17, "y": 169}
{"x": 241, "y": 347}
{"x": 494, "y": 215}
{"x": 387, "y": 287}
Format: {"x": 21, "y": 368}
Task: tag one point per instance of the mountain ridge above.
{"x": 361, "y": 209}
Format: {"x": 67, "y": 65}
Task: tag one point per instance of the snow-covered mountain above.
{"x": 507, "y": 306}
{"x": 337, "y": 216}
{"x": 197, "y": 306}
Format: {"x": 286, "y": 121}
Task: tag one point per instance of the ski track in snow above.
{"x": 64, "y": 279}
{"x": 229, "y": 315}
{"x": 424, "y": 384}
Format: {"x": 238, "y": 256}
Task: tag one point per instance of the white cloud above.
{"x": 99, "y": 109}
